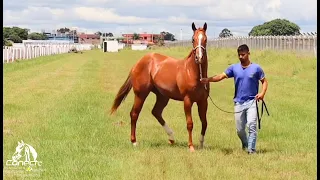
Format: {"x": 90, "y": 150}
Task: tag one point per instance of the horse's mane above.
{"x": 189, "y": 55}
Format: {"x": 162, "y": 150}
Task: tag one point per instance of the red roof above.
{"x": 141, "y": 35}
{"x": 89, "y": 36}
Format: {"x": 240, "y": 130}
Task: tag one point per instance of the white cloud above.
{"x": 181, "y": 19}
{"x": 243, "y": 10}
{"x": 157, "y": 15}
{"x": 190, "y": 3}
{"x": 107, "y": 16}
{"x": 98, "y": 1}
{"x": 273, "y": 4}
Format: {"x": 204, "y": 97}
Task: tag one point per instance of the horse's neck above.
{"x": 191, "y": 65}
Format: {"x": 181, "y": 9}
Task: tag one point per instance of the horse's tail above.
{"x": 122, "y": 94}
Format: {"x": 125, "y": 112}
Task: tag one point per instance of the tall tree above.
{"x": 168, "y": 36}
{"x": 15, "y": 38}
{"x": 109, "y": 34}
{"x": 225, "y": 33}
{"x": 21, "y": 32}
{"x": 98, "y": 33}
{"x": 63, "y": 30}
{"x": 16, "y": 33}
{"x": 276, "y": 27}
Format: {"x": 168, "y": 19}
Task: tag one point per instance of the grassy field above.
{"x": 60, "y": 106}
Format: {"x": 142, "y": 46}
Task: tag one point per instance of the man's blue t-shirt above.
{"x": 246, "y": 80}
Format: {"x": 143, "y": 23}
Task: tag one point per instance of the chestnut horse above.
{"x": 170, "y": 78}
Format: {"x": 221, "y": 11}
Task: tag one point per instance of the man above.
{"x": 246, "y": 79}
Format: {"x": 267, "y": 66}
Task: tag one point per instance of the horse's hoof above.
{"x": 191, "y": 148}
{"x": 171, "y": 141}
{"x": 134, "y": 144}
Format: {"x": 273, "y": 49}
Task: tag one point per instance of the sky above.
{"x": 154, "y": 16}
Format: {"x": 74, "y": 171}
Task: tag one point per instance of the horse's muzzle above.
{"x": 198, "y": 60}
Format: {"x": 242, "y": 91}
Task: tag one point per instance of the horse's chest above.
{"x": 197, "y": 92}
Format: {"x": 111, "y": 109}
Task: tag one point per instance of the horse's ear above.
{"x": 193, "y": 27}
{"x": 205, "y": 26}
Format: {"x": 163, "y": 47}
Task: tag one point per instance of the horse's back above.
{"x": 158, "y": 71}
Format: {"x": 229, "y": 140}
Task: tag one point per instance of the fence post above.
{"x": 3, "y": 52}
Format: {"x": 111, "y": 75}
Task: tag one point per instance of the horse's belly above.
{"x": 164, "y": 77}
{"x": 170, "y": 91}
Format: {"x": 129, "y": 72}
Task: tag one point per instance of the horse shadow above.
{"x": 225, "y": 151}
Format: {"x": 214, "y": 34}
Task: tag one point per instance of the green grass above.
{"x": 60, "y": 105}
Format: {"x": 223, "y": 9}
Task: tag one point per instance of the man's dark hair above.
{"x": 243, "y": 48}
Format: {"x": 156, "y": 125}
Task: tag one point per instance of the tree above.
{"x": 37, "y": 36}
{"x": 63, "y": 30}
{"x": 98, "y": 33}
{"x": 167, "y": 36}
{"x": 7, "y": 42}
{"x": 7, "y": 31}
{"x": 15, "y": 31}
{"x": 225, "y": 33}
{"x": 276, "y": 27}
{"x": 136, "y": 36}
{"x": 109, "y": 34}
{"x": 22, "y": 33}
{"x": 15, "y": 38}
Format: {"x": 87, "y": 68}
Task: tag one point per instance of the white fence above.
{"x": 139, "y": 46}
{"x": 302, "y": 43}
{"x": 10, "y": 54}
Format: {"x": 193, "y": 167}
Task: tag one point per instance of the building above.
{"x": 144, "y": 38}
{"x": 89, "y": 39}
{"x": 62, "y": 37}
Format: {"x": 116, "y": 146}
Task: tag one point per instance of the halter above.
{"x": 199, "y": 47}
{"x": 204, "y": 49}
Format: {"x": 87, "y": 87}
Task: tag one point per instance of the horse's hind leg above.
{"x": 134, "y": 114}
{"x": 161, "y": 103}
{"x": 202, "y": 110}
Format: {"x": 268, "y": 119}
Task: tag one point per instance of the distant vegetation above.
{"x": 271, "y": 28}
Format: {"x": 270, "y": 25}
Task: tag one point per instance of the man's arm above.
{"x": 264, "y": 82}
{"x": 215, "y": 78}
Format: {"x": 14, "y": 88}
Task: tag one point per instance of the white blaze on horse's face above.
{"x": 199, "y": 49}
{"x": 199, "y": 44}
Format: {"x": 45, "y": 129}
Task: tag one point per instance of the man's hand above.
{"x": 204, "y": 80}
{"x": 259, "y": 96}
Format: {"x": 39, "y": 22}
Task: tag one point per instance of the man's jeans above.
{"x": 247, "y": 117}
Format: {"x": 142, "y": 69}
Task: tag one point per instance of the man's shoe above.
{"x": 244, "y": 147}
{"x": 252, "y": 152}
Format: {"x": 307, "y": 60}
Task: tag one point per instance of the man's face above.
{"x": 243, "y": 56}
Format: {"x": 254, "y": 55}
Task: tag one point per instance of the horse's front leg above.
{"x": 187, "y": 109}
{"x": 202, "y": 110}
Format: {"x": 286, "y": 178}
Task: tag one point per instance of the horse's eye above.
{"x": 192, "y": 40}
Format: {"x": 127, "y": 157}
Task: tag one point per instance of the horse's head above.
{"x": 17, "y": 155}
{"x": 199, "y": 41}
